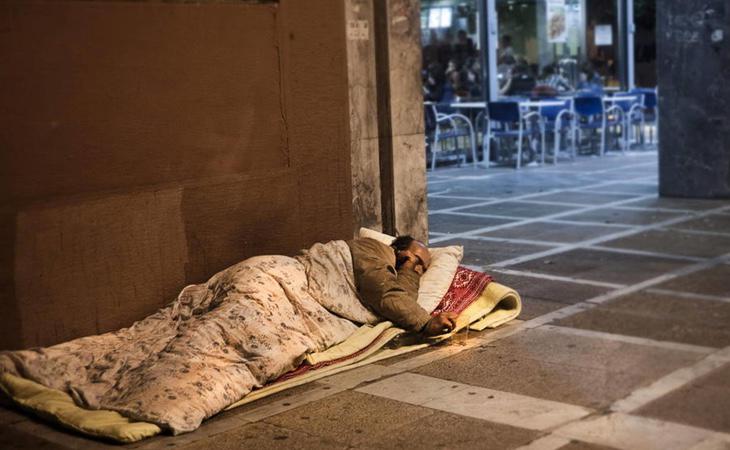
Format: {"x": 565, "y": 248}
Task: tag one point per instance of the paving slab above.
{"x": 632, "y": 432}
{"x": 524, "y": 209}
{"x": 450, "y": 431}
{"x": 674, "y": 242}
{"x": 679, "y": 203}
{"x": 573, "y": 369}
{"x": 552, "y": 232}
{"x": 262, "y": 436}
{"x": 558, "y": 291}
{"x": 719, "y": 223}
{"x": 535, "y": 307}
{"x": 600, "y": 265}
{"x": 540, "y": 296}
{"x": 13, "y": 439}
{"x": 481, "y": 253}
{"x": 584, "y": 198}
{"x": 630, "y": 188}
{"x": 712, "y": 281}
{"x": 580, "y": 445}
{"x": 702, "y": 403}
{"x": 659, "y": 316}
{"x": 623, "y": 216}
{"x": 450, "y": 223}
{"x": 351, "y": 418}
{"x": 476, "y": 402}
{"x": 436, "y": 203}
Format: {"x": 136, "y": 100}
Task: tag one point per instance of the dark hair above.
{"x": 402, "y": 243}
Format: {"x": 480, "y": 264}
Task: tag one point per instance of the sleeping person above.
{"x": 387, "y": 280}
{"x": 246, "y": 326}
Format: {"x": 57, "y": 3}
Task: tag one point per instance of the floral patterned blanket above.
{"x": 248, "y": 325}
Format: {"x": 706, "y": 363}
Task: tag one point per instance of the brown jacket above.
{"x": 388, "y": 293}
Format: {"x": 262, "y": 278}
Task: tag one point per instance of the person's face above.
{"x": 421, "y": 251}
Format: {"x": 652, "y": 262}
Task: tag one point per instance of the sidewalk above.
{"x": 623, "y": 343}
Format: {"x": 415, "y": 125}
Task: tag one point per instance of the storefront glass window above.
{"x": 548, "y": 46}
{"x": 452, "y": 54}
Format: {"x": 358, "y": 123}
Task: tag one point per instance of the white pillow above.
{"x": 437, "y": 279}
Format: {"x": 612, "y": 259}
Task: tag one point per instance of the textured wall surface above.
{"x": 366, "y": 194}
{"x": 693, "y": 64}
{"x": 146, "y": 146}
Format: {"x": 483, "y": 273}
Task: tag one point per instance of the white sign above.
{"x": 358, "y": 30}
{"x": 604, "y": 35}
{"x": 557, "y": 25}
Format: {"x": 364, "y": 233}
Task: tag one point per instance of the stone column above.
{"x": 365, "y": 160}
{"x": 693, "y": 62}
{"x": 400, "y": 117}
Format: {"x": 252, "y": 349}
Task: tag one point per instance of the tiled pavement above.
{"x": 624, "y": 341}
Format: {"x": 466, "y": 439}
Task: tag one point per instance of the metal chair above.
{"x": 557, "y": 119}
{"x": 591, "y": 114}
{"x": 447, "y": 126}
{"x": 649, "y": 112}
{"x": 504, "y": 117}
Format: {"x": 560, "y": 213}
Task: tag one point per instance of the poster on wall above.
{"x": 604, "y": 35}
{"x": 557, "y": 26}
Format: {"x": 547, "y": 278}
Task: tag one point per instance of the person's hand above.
{"x": 440, "y": 324}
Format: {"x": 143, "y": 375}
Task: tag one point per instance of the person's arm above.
{"x": 389, "y": 293}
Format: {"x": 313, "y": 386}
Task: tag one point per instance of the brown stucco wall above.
{"x": 145, "y": 146}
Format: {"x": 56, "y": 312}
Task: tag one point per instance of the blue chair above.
{"x": 591, "y": 114}
{"x": 508, "y": 120}
{"x": 440, "y": 127}
{"x": 556, "y": 119}
{"x": 649, "y": 112}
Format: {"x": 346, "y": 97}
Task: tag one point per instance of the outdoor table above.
{"x": 620, "y": 98}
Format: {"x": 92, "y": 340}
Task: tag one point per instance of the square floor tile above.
{"x": 580, "y": 445}
{"x": 481, "y": 253}
{"x": 555, "y": 366}
{"x": 712, "y": 281}
{"x": 436, "y": 203}
{"x": 559, "y": 291}
{"x": 717, "y": 223}
{"x": 535, "y": 307}
{"x": 679, "y": 203}
{"x": 477, "y": 402}
{"x": 450, "y": 431}
{"x": 351, "y": 418}
{"x": 702, "y": 403}
{"x": 623, "y": 216}
{"x": 522, "y": 209}
{"x": 675, "y": 243}
{"x": 552, "y": 232}
{"x": 11, "y": 438}
{"x": 541, "y": 296}
{"x": 602, "y": 266}
{"x": 630, "y": 432}
{"x": 451, "y": 223}
{"x": 630, "y": 188}
{"x": 262, "y": 436}
{"x": 660, "y": 317}
{"x": 584, "y": 198}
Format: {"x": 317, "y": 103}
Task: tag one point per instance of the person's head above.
{"x": 549, "y": 70}
{"x": 461, "y": 36}
{"x": 418, "y": 248}
{"x": 506, "y": 40}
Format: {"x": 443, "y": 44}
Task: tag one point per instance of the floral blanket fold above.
{"x": 246, "y": 326}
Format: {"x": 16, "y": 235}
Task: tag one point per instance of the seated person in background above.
{"x": 590, "y": 79}
{"x": 520, "y": 83}
{"x": 554, "y": 80}
{"x": 387, "y": 280}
